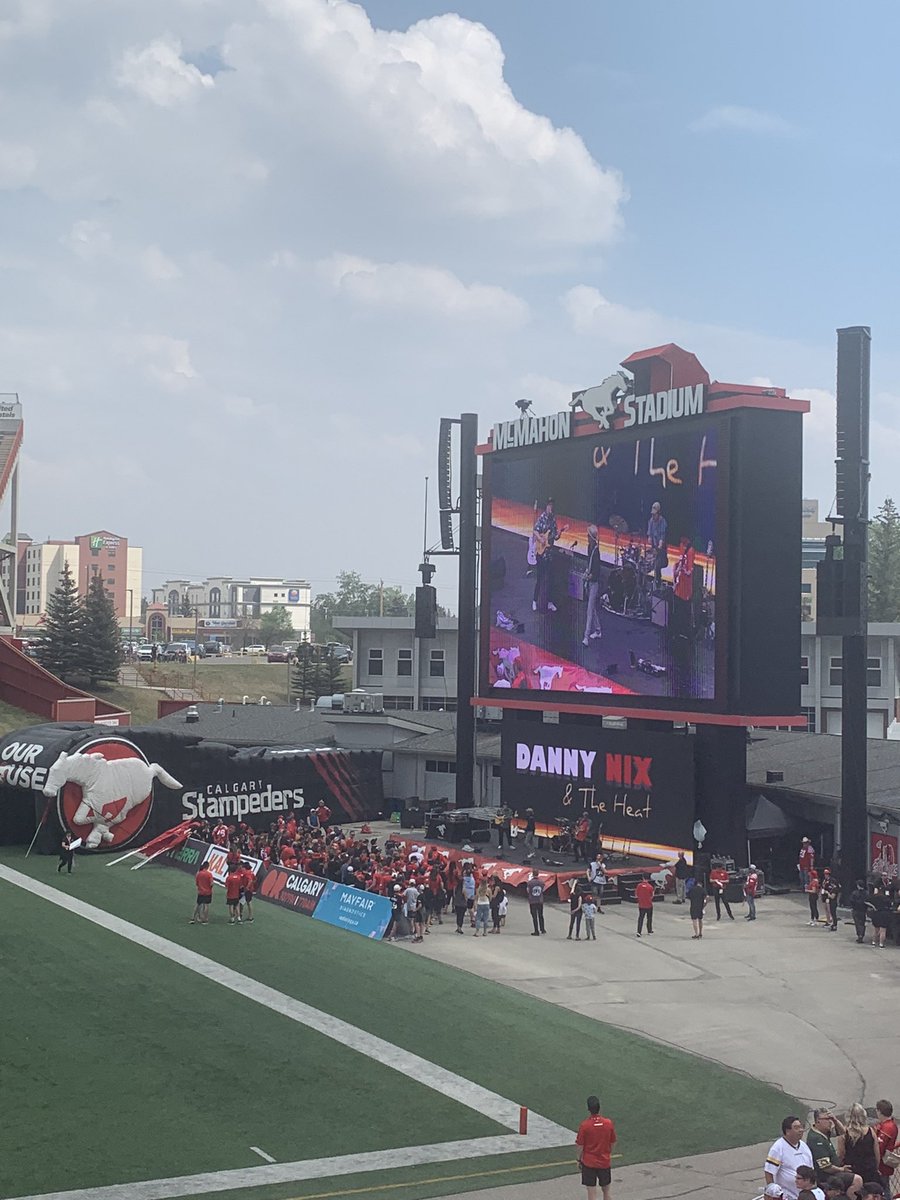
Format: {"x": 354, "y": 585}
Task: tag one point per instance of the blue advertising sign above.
{"x": 349, "y": 908}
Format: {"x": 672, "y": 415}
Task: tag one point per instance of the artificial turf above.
{"x": 230, "y": 1057}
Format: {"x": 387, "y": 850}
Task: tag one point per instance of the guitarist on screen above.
{"x": 544, "y": 537}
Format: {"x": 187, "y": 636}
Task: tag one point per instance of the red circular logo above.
{"x": 105, "y": 792}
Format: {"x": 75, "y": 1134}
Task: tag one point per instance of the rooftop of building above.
{"x": 400, "y": 623}
{"x": 811, "y": 764}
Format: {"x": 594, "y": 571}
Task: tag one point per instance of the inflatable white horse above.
{"x": 110, "y": 789}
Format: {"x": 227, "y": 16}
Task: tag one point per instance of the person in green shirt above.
{"x": 825, "y": 1125}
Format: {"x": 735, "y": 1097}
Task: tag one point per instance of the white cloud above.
{"x": 433, "y": 103}
{"x": 88, "y": 239}
{"x": 159, "y": 74}
{"x": 17, "y": 165}
{"x": 166, "y": 359}
{"x": 421, "y": 289}
{"x": 158, "y": 266}
{"x": 741, "y": 119}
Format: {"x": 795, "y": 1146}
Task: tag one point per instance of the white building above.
{"x": 221, "y": 598}
{"x": 411, "y": 673}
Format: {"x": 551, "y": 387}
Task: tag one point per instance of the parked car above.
{"x": 253, "y": 650}
{"x": 340, "y": 651}
{"x": 176, "y": 652}
{"x": 210, "y": 649}
{"x": 145, "y": 652}
{"x": 278, "y": 654}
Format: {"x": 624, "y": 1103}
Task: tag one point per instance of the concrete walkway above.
{"x": 802, "y": 1008}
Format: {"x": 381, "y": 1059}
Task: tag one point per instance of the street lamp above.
{"x": 130, "y": 619}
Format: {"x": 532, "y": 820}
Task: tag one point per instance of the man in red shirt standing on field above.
{"x": 595, "y": 1140}
{"x": 643, "y": 893}
{"x": 204, "y": 881}
{"x": 233, "y": 895}
{"x": 248, "y": 884}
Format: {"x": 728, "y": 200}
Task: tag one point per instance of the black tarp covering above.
{"x": 255, "y": 784}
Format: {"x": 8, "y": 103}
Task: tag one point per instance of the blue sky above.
{"x": 252, "y": 250}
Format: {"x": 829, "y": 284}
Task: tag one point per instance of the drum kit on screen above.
{"x": 629, "y": 589}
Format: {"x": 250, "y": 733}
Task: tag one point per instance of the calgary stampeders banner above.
{"x": 115, "y": 791}
{"x": 365, "y": 913}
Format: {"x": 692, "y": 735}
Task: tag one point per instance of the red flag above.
{"x": 169, "y": 839}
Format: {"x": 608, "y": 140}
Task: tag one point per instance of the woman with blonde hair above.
{"x": 482, "y": 907}
{"x": 858, "y": 1146}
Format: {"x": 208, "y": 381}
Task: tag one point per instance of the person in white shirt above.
{"x": 785, "y": 1156}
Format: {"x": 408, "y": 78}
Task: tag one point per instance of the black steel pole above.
{"x": 467, "y": 636}
{"x": 853, "y": 356}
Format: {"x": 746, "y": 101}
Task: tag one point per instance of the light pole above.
{"x": 130, "y": 617}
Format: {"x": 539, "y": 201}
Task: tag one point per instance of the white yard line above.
{"x": 316, "y": 1168}
{"x": 262, "y": 1154}
{"x": 543, "y": 1133}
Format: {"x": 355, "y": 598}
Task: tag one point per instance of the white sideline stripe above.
{"x": 543, "y": 1132}
{"x": 316, "y": 1168}
{"x": 262, "y": 1154}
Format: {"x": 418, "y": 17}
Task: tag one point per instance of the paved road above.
{"x": 805, "y": 1009}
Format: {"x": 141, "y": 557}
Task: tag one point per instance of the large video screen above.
{"x": 604, "y": 567}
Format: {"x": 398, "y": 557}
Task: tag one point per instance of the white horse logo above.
{"x": 110, "y": 789}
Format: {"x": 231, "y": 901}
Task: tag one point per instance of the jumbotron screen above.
{"x": 604, "y": 566}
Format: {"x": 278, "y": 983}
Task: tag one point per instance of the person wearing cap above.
{"x": 785, "y": 1155}
{"x": 751, "y": 883}
{"x": 806, "y": 861}
{"x": 872, "y": 1191}
{"x": 773, "y": 1192}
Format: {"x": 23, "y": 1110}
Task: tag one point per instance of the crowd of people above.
{"x": 832, "y": 1159}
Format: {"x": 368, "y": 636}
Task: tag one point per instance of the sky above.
{"x": 252, "y": 250}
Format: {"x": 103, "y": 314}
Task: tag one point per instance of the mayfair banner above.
{"x": 361, "y": 912}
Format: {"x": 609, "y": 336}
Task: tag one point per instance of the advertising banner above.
{"x": 216, "y": 858}
{"x": 188, "y": 856}
{"x": 111, "y": 789}
{"x": 634, "y": 787}
{"x": 883, "y": 852}
{"x": 292, "y": 889}
{"x": 362, "y": 912}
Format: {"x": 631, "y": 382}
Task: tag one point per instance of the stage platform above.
{"x": 514, "y": 866}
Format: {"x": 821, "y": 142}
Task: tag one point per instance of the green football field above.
{"x": 120, "y": 1065}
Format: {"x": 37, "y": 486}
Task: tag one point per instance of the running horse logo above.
{"x": 105, "y": 796}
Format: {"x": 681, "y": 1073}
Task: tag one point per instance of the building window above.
{"x": 404, "y": 662}
{"x": 436, "y": 666}
{"x": 436, "y": 766}
{"x": 174, "y": 603}
{"x": 804, "y": 668}
{"x": 215, "y": 602}
{"x": 810, "y": 714}
{"x": 495, "y": 772}
{"x": 398, "y": 703}
{"x": 438, "y": 704}
{"x": 376, "y": 661}
{"x": 873, "y": 672}
{"x": 806, "y": 589}
{"x": 836, "y": 672}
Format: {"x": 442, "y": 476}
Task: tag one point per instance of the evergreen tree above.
{"x": 101, "y": 637}
{"x": 306, "y": 677}
{"x": 331, "y": 672}
{"x": 60, "y": 650}
{"x": 884, "y": 564}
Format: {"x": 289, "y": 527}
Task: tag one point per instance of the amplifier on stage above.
{"x": 448, "y": 827}
{"x": 659, "y": 609}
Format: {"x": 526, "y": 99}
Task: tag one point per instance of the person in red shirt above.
{"x": 248, "y": 887}
{"x": 233, "y": 895}
{"x": 643, "y": 894}
{"x": 718, "y": 882}
{"x": 595, "y": 1140}
{"x": 323, "y": 812}
{"x": 204, "y": 881}
{"x": 812, "y": 892}
{"x": 887, "y": 1133}
{"x": 288, "y": 856}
